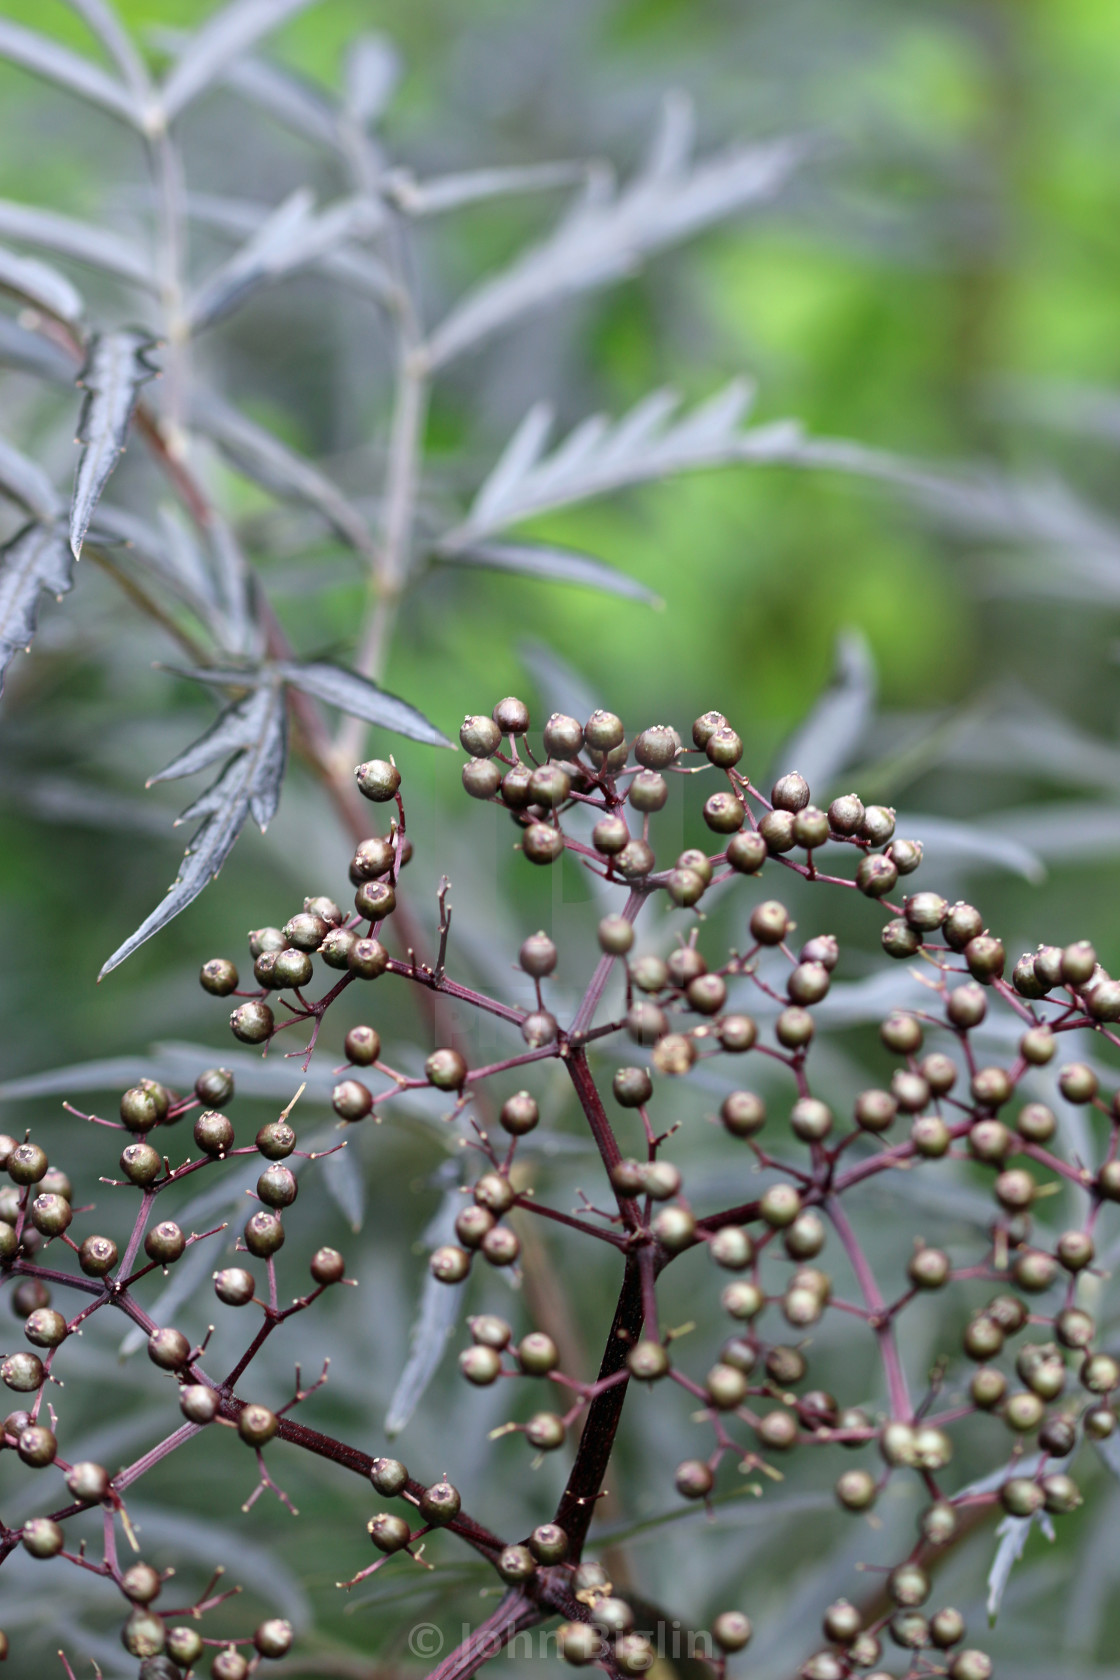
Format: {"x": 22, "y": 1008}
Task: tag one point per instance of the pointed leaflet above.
{"x": 371, "y": 72}
{"x": 113, "y": 374}
{"x": 600, "y": 457}
{"x": 828, "y": 740}
{"x": 221, "y": 38}
{"x": 70, "y": 70}
{"x": 609, "y": 233}
{"x": 293, "y": 236}
{"x": 106, "y": 25}
{"x": 37, "y": 558}
{"x": 436, "y": 1319}
{"x": 263, "y": 458}
{"x": 345, "y": 262}
{"x": 362, "y": 699}
{"x": 254, "y": 729}
{"x": 468, "y": 186}
{"x": 34, "y": 354}
{"x": 39, "y": 285}
{"x": 80, "y": 240}
{"x": 557, "y": 565}
{"x": 24, "y": 481}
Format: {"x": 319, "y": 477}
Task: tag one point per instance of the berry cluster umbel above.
{"x": 1030, "y": 1357}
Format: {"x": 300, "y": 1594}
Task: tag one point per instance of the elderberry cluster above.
{"x": 1027, "y": 1351}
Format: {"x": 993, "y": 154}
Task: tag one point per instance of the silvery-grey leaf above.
{"x": 439, "y": 1311}
{"x": 23, "y": 481}
{"x": 37, "y": 558}
{"x": 263, "y": 458}
{"x": 347, "y": 264}
{"x": 61, "y": 799}
{"x": 40, "y": 285}
{"x": 647, "y": 444}
{"x": 561, "y": 687}
{"x": 224, "y": 35}
{"x": 974, "y": 843}
{"x": 827, "y": 741}
{"x": 294, "y": 101}
{"x": 169, "y": 551}
{"x": 342, "y": 1175}
{"x": 177, "y": 1065}
{"x": 249, "y": 785}
{"x": 609, "y": 234}
{"x": 371, "y": 71}
{"x": 248, "y": 1563}
{"x": 1012, "y": 1534}
{"x": 1019, "y": 732}
{"x": 30, "y": 352}
{"x": 67, "y": 69}
{"x": 362, "y": 699}
{"x": 232, "y": 730}
{"x": 80, "y": 240}
{"x": 293, "y": 236}
{"x": 116, "y": 368}
{"x": 439, "y": 193}
{"x": 106, "y": 25}
{"x": 232, "y": 573}
{"x": 558, "y": 565}
{"x": 1062, "y": 831}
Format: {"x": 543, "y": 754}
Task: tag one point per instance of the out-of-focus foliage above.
{"x": 937, "y": 283}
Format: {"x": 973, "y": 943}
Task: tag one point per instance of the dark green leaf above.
{"x": 255, "y": 730}
{"x": 112, "y": 377}
{"x": 362, "y": 699}
{"x": 36, "y": 559}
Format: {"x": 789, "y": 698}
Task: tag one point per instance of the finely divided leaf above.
{"x": 116, "y": 369}
{"x": 294, "y": 236}
{"x": 70, "y": 70}
{"x": 39, "y": 285}
{"x": 262, "y": 457}
{"x": 362, "y": 699}
{"x": 254, "y": 729}
{"x": 244, "y": 218}
{"x": 559, "y": 565}
{"x": 221, "y": 38}
{"x": 831, "y": 735}
{"x": 600, "y": 456}
{"x": 436, "y": 1319}
{"x": 80, "y": 240}
{"x": 24, "y": 481}
{"x": 1012, "y": 1535}
{"x": 37, "y": 558}
{"x": 999, "y": 844}
{"x": 609, "y": 233}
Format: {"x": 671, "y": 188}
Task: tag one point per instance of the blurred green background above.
{"x": 939, "y": 281}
